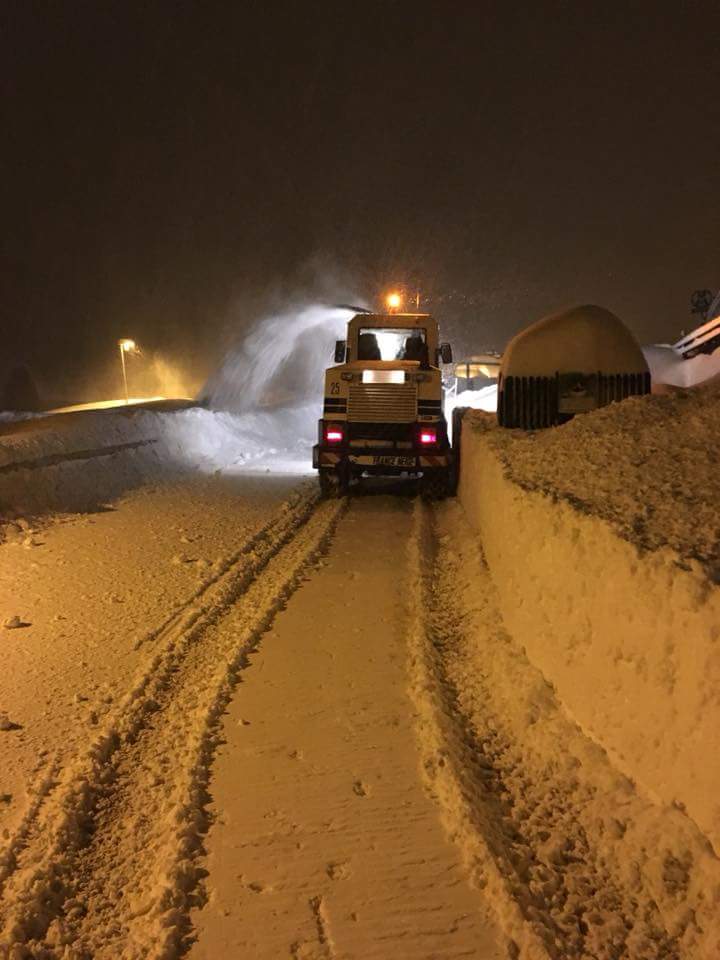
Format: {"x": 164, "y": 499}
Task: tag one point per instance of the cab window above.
{"x": 392, "y": 343}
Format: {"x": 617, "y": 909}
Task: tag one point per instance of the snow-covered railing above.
{"x": 703, "y": 339}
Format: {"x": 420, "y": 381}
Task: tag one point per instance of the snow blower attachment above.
{"x": 383, "y": 407}
{"x": 568, "y": 363}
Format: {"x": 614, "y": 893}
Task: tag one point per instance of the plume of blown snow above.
{"x": 280, "y": 361}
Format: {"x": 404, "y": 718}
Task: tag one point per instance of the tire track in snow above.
{"x": 542, "y": 825}
{"x": 165, "y": 637}
{"x": 53, "y": 459}
{"x": 322, "y": 948}
{"x": 325, "y": 844}
{"x": 441, "y": 752}
{"x": 107, "y": 868}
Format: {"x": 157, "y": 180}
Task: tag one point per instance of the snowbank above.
{"x": 483, "y": 399}
{"x": 601, "y": 537}
{"x": 79, "y": 461}
{"x": 587, "y": 864}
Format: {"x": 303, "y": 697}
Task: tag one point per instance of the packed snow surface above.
{"x": 235, "y": 718}
{"x": 83, "y": 598}
{"x": 325, "y": 844}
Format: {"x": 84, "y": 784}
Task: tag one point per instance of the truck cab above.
{"x": 383, "y": 405}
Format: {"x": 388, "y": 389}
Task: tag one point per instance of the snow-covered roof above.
{"x": 583, "y": 339}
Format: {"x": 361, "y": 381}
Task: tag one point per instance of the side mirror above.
{"x": 446, "y": 353}
{"x": 339, "y": 351}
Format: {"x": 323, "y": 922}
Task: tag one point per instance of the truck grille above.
{"x": 382, "y": 403}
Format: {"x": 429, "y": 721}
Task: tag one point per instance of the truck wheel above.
{"x": 457, "y": 422}
{"x": 435, "y": 485}
{"x": 343, "y": 476}
{"x": 333, "y": 485}
{"x": 328, "y": 484}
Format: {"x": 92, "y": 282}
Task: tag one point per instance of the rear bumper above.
{"x": 379, "y": 461}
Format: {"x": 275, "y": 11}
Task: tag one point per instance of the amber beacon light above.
{"x": 393, "y": 301}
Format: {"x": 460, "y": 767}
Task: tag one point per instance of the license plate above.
{"x": 384, "y": 461}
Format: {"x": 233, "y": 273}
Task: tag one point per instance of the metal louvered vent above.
{"x": 535, "y": 402}
{"x": 382, "y": 403}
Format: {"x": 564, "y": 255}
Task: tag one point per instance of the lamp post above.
{"x": 126, "y": 346}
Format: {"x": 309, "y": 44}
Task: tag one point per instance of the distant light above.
{"x": 126, "y": 346}
{"x": 428, "y": 436}
{"x": 394, "y": 301}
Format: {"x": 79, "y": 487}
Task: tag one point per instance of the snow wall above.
{"x": 629, "y": 638}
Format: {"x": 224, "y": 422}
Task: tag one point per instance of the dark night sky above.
{"x": 162, "y": 161}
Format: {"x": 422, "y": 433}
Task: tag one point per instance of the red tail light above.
{"x": 333, "y": 433}
{"x": 428, "y": 435}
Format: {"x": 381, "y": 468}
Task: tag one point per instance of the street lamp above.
{"x": 126, "y": 346}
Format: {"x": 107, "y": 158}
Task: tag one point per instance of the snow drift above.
{"x": 601, "y": 537}
{"x": 80, "y": 461}
{"x": 280, "y": 362}
{"x": 485, "y": 398}
{"x": 259, "y": 412}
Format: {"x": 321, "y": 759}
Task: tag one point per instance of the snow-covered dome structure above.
{"x": 568, "y": 363}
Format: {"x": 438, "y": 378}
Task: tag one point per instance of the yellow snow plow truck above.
{"x": 383, "y": 406}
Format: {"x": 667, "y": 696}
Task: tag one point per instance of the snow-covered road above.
{"x": 325, "y": 843}
{"x": 92, "y": 593}
{"x": 239, "y": 722}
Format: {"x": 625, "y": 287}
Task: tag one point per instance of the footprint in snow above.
{"x": 7, "y": 724}
{"x": 180, "y": 559}
{"x": 254, "y": 885}
{"x": 339, "y": 871}
{"x": 361, "y": 789}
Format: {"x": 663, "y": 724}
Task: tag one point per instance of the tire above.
{"x": 328, "y": 484}
{"x": 457, "y": 422}
{"x": 332, "y": 484}
{"x": 435, "y": 485}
